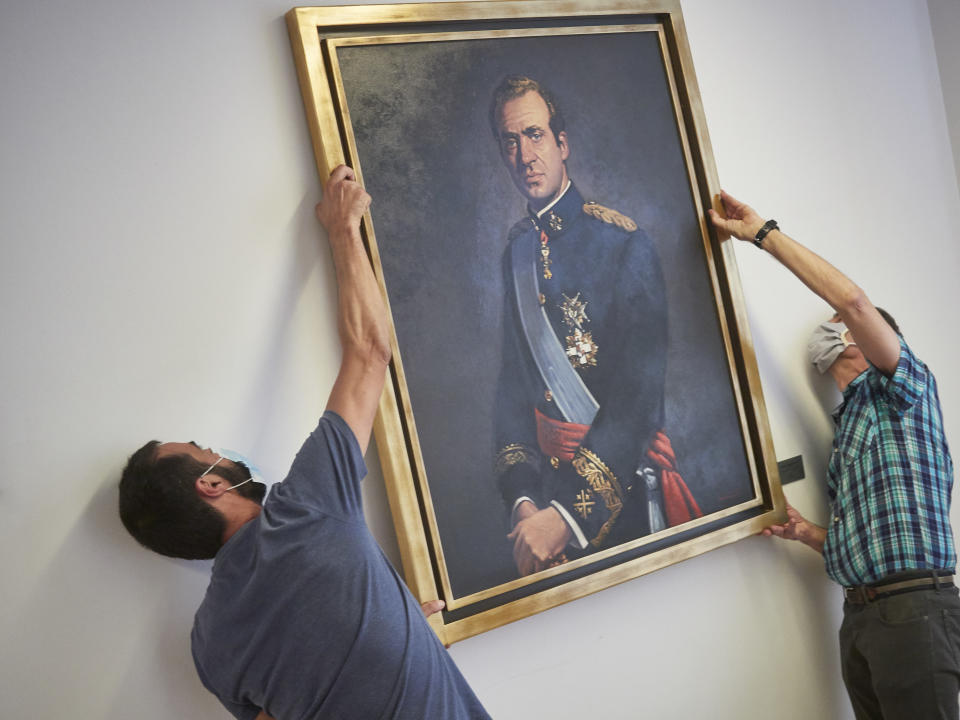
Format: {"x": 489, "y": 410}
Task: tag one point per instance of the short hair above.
{"x": 514, "y": 86}
{"x": 890, "y": 321}
{"x": 160, "y": 507}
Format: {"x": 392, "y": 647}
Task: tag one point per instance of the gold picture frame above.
{"x": 403, "y": 92}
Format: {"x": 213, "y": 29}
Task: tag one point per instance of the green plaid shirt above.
{"x": 889, "y": 478}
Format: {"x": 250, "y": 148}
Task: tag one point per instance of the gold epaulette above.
{"x": 609, "y": 216}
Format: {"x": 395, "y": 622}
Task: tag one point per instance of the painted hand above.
{"x": 537, "y": 539}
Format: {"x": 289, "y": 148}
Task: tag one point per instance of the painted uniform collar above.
{"x": 559, "y": 215}
{"x": 552, "y": 202}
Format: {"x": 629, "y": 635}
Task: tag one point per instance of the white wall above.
{"x": 162, "y": 276}
{"x": 945, "y": 21}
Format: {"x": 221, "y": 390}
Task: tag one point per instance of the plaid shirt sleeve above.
{"x": 908, "y": 383}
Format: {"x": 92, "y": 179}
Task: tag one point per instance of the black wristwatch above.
{"x": 762, "y": 232}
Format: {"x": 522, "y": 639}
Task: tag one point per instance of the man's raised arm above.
{"x": 875, "y": 338}
{"x": 362, "y": 316}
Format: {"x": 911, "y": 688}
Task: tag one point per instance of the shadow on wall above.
{"x": 807, "y": 604}
{"x": 142, "y": 602}
{"x": 123, "y": 632}
{"x": 309, "y": 250}
{"x": 815, "y": 600}
{"x": 805, "y": 406}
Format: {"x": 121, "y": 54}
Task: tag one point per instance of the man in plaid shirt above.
{"x": 889, "y": 540}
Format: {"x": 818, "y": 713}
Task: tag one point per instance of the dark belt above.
{"x": 904, "y": 583}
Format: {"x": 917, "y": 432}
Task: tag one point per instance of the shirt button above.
{"x": 543, "y": 299}
{"x": 836, "y": 519}
{"x": 554, "y": 462}
{"x": 548, "y": 396}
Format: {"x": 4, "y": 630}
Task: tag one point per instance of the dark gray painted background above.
{"x": 442, "y": 207}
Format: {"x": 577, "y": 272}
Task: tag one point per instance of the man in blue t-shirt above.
{"x": 889, "y": 542}
{"x": 304, "y": 616}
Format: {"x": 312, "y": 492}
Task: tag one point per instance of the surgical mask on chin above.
{"x": 826, "y": 344}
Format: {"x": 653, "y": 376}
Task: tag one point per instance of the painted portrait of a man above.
{"x": 581, "y": 457}
{"x": 560, "y": 356}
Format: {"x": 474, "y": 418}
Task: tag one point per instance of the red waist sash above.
{"x": 561, "y": 440}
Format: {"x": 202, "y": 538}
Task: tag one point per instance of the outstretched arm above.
{"x": 876, "y": 339}
{"x": 362, "y": 316}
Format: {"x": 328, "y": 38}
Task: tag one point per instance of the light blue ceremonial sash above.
{"x": 571, "y": 396}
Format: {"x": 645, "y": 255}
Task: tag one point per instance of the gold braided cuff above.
{"x": 603, "y": 482}
{"x": 514, "y": 454}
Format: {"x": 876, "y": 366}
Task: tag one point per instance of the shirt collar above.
{"x": 848, "y": 392}
{"x": 851, "y": 388}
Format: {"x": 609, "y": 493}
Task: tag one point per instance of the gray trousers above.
{"x": 900, "y": 656}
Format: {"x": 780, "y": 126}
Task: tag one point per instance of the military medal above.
{"x": 545, "y": 255}
{"x": 581, "y": 349}
{"x": 555, "y": 221}
{"x": 574, "y": 311}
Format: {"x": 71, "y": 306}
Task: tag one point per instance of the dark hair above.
{"x": 514, "y": 86}
{"x": 160, "y": 507}
{"x": 890, "y": 321}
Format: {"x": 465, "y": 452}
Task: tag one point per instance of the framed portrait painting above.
{"x": 573, "y": 399}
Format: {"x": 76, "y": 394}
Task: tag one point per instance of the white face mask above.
{"x": 826, "y": 344}
{"x": 237, "y": 458}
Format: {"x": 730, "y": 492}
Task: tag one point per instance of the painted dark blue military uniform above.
{"x": 603, "y": 275}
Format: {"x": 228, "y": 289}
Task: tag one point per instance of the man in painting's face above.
{"x": 535, "y": 157}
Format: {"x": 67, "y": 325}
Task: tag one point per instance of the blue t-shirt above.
{"x": 306, "y": 618}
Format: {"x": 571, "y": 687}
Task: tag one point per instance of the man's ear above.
{"x": 562, "y": 143}
{"x": 211, "y": 486}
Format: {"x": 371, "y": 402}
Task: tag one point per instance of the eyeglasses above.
{"x": 232, "y": 487}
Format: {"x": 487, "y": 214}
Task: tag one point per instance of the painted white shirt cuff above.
{"x": 516, "y": 504}
{"x": 578, "y": 540}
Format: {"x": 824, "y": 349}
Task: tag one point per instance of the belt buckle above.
{"x": 859, "y": 594}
